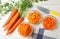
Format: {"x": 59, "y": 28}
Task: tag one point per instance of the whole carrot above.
{"x": 12, "y": 21}
{"x": 15, "y": 25}
{"x": 10, "y": 17}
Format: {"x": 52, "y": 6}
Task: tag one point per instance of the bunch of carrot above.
{"x": 13, "y": 21}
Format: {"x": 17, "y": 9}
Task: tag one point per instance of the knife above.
{"x": 47, "y": 11}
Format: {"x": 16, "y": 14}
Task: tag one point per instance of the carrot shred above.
{"x": 25, "y": 29}
{"x": 49, "y": 22}
{"x": 34, "y": 17}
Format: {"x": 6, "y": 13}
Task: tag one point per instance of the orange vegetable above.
{"x": 49, "y": 22}
{"x": 10, "y": 17}
{"x": 15, "y": 25}
{"x": 25, "y": 29}
{"x": 12, "y": 21}
{"x": 34, "y": 17}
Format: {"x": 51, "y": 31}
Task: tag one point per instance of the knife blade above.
{"x": 47, "y": 11}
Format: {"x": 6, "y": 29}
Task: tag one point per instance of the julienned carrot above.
{"x": 12, "y": 21}
{"x": 15, "y": 25}
{"x": 34, "y": 17}
{"x": 49, "y": 22}
{"x": 11, "y": 16}
{"x": 25, "y": 29}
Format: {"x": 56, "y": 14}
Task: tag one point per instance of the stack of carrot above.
{"x": 13, "y": 21}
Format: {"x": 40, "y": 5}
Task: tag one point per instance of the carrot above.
{"x": 25, "y": 29}
{"x": 10, "y": 17}
{"x": 12, "y": 21}
{"x": 15, "y": 25}
{"x": 34, "y": 17}
{"x": 49, "y": 22}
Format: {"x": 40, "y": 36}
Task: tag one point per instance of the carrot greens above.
{"x": 20, "y": 4}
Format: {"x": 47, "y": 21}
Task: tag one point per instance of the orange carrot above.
{"x": 15, "y": 25}
{"x": 10, "y": 17}
{"x": 34, "y": 17}
{"x": 12, "y": 21}
{"x": 49, "y": 22}
{"x": 25, "y": 29}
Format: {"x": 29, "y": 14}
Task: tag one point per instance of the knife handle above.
{"x": 55, "y": 13}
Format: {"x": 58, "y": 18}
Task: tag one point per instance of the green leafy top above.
{"x": 22, "y": 5}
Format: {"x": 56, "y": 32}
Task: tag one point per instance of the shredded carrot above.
{"x": 25, "y": 29}
{"x": 49, "y": 22}
{"x": 34, "y": 17}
